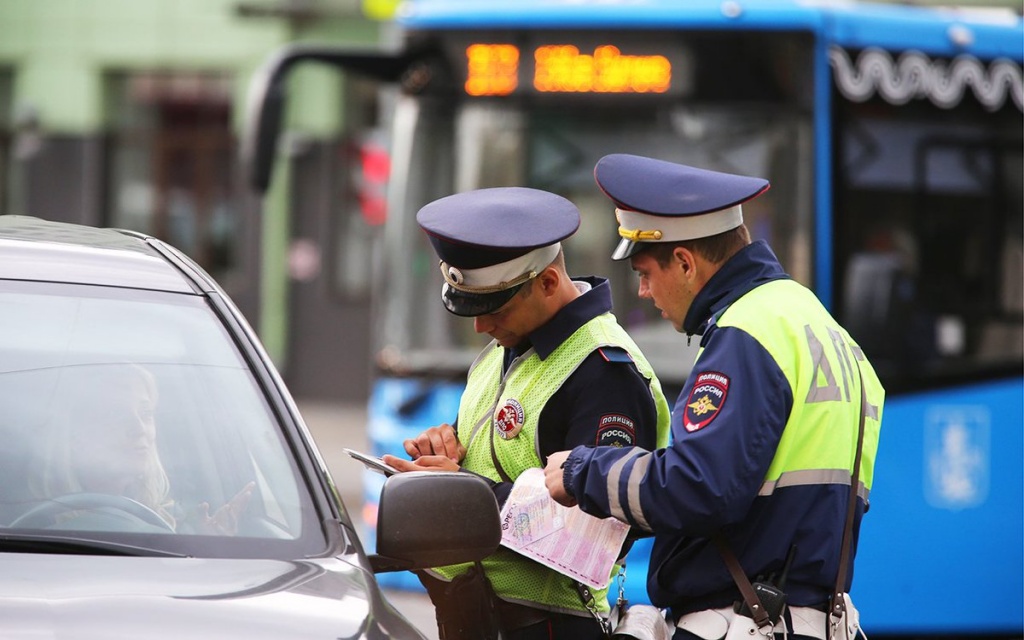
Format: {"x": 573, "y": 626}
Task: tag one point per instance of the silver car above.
{"x": 156, "y": 478}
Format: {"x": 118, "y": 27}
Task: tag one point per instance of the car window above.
{"x": 128, "y": 413}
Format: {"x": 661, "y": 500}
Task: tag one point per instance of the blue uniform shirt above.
{"x": 708, "y": 479}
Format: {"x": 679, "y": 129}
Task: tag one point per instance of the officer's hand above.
{"x": 422, "y": 463}
{"x": 436, "y": 441}
{"x": 553, "y": 479}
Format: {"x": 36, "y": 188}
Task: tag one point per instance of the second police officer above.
{"x": 774, "y": 433}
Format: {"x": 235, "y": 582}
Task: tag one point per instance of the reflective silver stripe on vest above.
{"x": 809, "y": 477}
{"x": 871, "y": 410}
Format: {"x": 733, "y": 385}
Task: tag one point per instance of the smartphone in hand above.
{"x": 373, "y": 463}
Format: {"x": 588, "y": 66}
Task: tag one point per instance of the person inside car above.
{"x": 99, "y": 455}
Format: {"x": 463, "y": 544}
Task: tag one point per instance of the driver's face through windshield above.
{"x": 109, "y": 417}
{"x": 100, "y": 438}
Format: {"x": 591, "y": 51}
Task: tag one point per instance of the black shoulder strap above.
{"x": 837, "y": 604}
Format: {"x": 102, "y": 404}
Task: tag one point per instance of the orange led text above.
{"x": 562, "y": 68}
{"x": 493, "y": 69}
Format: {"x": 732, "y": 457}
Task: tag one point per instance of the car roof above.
{"x": 43, "y": 250}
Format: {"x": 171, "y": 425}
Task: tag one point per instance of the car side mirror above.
{"x": 431, "y": 519}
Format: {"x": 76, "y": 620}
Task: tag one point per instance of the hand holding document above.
{"x": 566, "y": 539}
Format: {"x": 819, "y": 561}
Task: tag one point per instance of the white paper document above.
{"x": 566, "y": 539}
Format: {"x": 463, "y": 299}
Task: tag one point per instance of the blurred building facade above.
{"x": 128, "y": 114}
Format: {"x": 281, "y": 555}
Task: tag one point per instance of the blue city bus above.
{"x": 892, "y": 137}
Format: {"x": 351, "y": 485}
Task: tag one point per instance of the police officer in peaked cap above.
{"x": 492, "y": 241}
{"x": 647, "y": 212}
{"x": 777, "y": 421}
{"x": 559, "y": 372}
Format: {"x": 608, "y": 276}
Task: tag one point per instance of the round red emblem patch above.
{"x": 509, "y": 419}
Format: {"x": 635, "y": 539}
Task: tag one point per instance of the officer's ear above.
{"x": 548, "y": 280}
{"x": 683, "y": 258}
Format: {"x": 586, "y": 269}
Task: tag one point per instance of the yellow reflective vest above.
{"x": 517, "y": 399}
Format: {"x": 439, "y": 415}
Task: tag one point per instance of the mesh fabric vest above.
{"x": 531, "y": 382}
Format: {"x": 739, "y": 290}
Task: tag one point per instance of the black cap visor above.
{"x": 470, "y": 305}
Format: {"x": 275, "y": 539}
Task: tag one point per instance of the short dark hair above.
{"x": 715, "y": 249}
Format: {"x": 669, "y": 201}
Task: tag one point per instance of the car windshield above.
{"x": 130, "y": 417}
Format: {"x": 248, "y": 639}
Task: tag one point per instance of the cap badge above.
{"x": 455, "y": 275}
{"x": 509, "y": 420}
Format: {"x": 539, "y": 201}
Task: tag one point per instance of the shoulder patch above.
{"x": 616, "y": 430}
{"x": 706, "y": 399}
{"x": 614, "y": 354}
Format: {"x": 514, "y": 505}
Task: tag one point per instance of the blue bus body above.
{"x": 942, "y": 548}
{"x": 856, "y": 25}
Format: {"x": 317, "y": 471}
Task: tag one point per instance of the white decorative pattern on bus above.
{"x": 915, "y": 75}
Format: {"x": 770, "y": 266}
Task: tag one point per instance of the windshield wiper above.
{"x": 33, "y": 543}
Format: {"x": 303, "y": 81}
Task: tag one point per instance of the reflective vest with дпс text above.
{"x": 527, "y": 386}
{"x": 824, "y": 367}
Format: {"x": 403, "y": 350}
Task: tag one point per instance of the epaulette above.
{"x": 615, "y": 354}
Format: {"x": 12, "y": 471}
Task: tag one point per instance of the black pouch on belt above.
{"x": 772, "y": 599}
{"x": 466, "y": 610}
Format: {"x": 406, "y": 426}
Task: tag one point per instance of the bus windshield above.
{"x": 488, "y": 143}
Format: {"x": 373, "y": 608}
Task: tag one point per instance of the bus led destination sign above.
{"x": 493, "y": 70}
{"x": 562, "y": 68}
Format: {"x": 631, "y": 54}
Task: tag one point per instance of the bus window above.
{"x": 555, "y": 147}
{"x": 929, "y": 240}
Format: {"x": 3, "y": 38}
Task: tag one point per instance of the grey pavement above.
{"x": 333, "y": 427}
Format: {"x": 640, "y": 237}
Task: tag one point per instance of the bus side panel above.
{"x": 942, "y": 546}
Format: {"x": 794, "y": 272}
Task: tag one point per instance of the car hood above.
{"x": 60, "y": 597}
